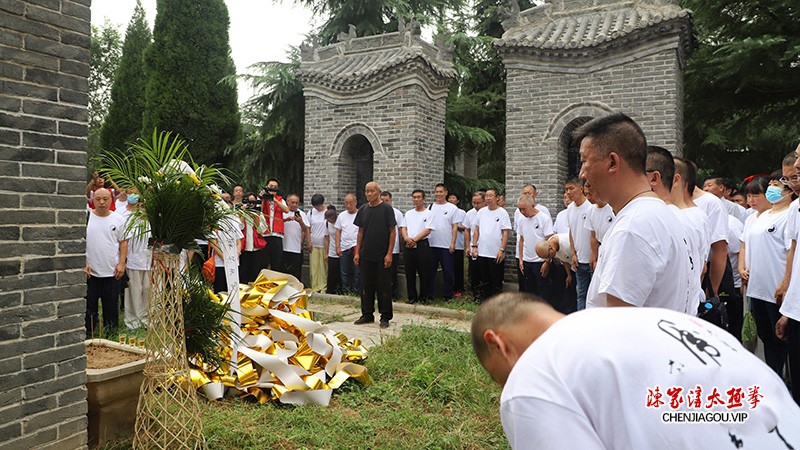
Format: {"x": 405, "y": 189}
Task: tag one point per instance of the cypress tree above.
{"x": 189, "y": 57}
{"x": 124, "y": 120}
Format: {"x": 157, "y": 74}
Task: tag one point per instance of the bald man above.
{"x": 106, "y": 252}
{"x": 654, "y": 374}
{"x": 377, "y": 229}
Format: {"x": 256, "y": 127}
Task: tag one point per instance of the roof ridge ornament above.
{"x": 409, "y": 32}
{"x": 509, "y": 16}
{"x": 445, "y": 49}
{"x": 347, "y": 37}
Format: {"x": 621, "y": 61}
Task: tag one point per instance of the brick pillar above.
{"x": 44, "y": 56}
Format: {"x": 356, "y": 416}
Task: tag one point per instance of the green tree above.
{"x": 104, "y": 55}
{"x": 124, "y": 121}
{"x": 742, "y": 91}
{"x": 189, "y": 57}
{"x": 273, "y": 129}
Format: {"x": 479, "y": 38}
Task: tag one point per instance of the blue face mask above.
{"x": 133, "y": 199}
{"x": 774, "y": 194}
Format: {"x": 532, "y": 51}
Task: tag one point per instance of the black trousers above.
{"x": 395, "y": 263}
{"x": 293, "y": 264}
{"x": 560, "y": 296}
{"x": 474, "y": 274}
{"x": 220, "y": 280}
{"x": 532, "y": 281}
{"x": 766, "y": 316}
{"x": 334, "y": 276}
{"x": 458, "y": 271}
{"x": 491, "y": 276}
{"x": 417, "y": 263}
{"x": 793, "y": 345}
{"x": 375, "y": 279}
{"x": 250, "y": 264}
{"x": 106, "y": 290}
{"x": 273, "y": 256}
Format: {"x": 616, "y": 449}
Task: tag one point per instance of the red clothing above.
{"x": 274, "y": 218}
{"x": 111, "y": 207}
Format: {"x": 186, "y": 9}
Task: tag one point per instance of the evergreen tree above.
{"x": 742, "y": 92}
{"x": 124, "y": 120}
{"x": 104, "y": 55}
{"x": 189, "y": 57}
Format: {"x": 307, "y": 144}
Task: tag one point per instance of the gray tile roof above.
{"x": 351, "y": 64}
{"x": 587, "y": 29}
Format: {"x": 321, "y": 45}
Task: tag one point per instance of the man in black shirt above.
{"x": 373, "y": 255}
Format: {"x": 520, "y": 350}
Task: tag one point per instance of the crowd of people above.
{"x": 637, "y": 230}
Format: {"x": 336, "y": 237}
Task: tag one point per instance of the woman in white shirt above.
{"x": 762, "y": 258}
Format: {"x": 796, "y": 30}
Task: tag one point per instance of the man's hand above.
{"x": 593, "y": 262}
{"x": 780, "y": 328}
{"x": 338, "y": 252}
{"x": 545, "y": 269}
{"x": 310, "y": 248}
{"x": 745, "y": 274}
{"x": 780, "y": 292}
{"x": 521, "y": 267}
{"x": 569, "y": 279}
{"x": 409, "y": 242}
{"x": 574, "y": 261}
{"x": 119, "y": 270}
{"x": 452, "y": 248}
{"x": 88, "y": 271}
{"x": 387, "y": 261}
{"x": 356, "y": 258}
{"x": 325, "y": 256}
{"x": 501, "y": 255}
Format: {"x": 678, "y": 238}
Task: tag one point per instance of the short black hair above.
{"x": 443, "y": 186}
{"x": 317, "y": 199}
{"x": 660, "y": 160}
{"x": 495, "y": 190}
{"x": 420, "y": 191}
{"x": 789, "y": 159}
{"x": 273, "y": 179}
{"x": 386, "y": 194}
{"x": 616, "y": 133}
{"x": 757, "y": 186}
{"x": 458, "y": 197}
{"x": 574, "y": 180}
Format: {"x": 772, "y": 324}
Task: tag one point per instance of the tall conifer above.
{"x": 189, "y": 56}
{"x": 124, "y": 121}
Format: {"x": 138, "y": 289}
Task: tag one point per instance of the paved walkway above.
{"x": 339, "y": 312}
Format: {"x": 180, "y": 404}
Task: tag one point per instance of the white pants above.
{"x": 136, "y": 298}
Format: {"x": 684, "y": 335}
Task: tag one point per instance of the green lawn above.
{"x": 429, "y": 392}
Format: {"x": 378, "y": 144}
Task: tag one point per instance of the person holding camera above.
{"x": 296, "y": 233}
{"x": 253, "y": 244}
{"x": 273, "y": 207}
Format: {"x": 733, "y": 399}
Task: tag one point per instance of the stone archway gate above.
{"x": 568, "y": 60}
{"x": 391, "y": 89}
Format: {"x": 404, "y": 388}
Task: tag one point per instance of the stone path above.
{"x": 339, "y": 312}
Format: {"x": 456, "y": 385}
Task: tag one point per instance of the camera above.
{"x": 269, "y": 194}
{"x": 252, "y": 205}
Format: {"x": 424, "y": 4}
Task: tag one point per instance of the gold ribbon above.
{"x": 284, "y": 354}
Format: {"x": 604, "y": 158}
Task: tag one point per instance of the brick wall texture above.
{"x": 406, "y": 125}
{"x": 44, "y": 65}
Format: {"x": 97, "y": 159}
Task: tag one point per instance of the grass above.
{"x": 429, "y": 392}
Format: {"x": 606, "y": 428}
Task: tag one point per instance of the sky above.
{"x": 260, "y": 30}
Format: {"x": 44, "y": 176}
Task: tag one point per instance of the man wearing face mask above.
{"x": 273, "y": 206}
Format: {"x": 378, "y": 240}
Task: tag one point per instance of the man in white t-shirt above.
{"x": 106, "y": 253}
{"x": 458, "y": 254}
{"x": 557, "y": 266}
{"x": 662, "y": 176}
{"x": 530, "y": 190}
{"x": 318, "y": 264}
{"x": 716, "y": 186}
{"x": 443, "y": 240}
{"x": 346, "y": 238}
{"x": 416, "y": 226}
{"x": 561, "y": 224}
{"x": 643, "y": 260}
{"x": 386, "y": 197}
{"x": 577, "y": 213}
{"x": 296, "y": 235}
{"x": 533, "y": 226}
{"x": 598, "y": 222}
{"x": 473, "y": 272}
{"x": 659, "y": 379}
{"x": 718, "y": 257}
{"x": 489, "y": 240}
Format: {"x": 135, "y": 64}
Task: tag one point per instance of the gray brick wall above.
{"x": 406, "y": 125}
{"x": 541, "y": 103}
{"x": 44, "y": 55}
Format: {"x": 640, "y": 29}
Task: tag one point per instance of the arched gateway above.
{"x": 568, "y": 61}
{"x": 375, "y": 109}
